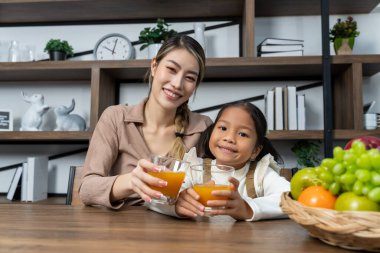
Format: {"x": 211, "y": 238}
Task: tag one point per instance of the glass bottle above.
{"x": 14, "y": 52}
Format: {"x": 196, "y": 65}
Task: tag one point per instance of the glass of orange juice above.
{"x": 209, "y": 177}
{"x": 173, "y": 171}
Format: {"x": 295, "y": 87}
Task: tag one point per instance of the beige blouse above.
{"x": 116, "y": 146}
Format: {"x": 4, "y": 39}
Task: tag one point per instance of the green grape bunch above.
{"x": 353, "y": 175}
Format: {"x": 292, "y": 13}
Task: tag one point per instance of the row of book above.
{"x": 285, "y": 109}
{"x": 30, "y": 181}
{"x": 270, "y": 47}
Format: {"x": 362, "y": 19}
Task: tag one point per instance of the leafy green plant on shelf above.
{"x": 157, "y": 34}
{"x": 58, "y": 48}
{"x": 307, "y": 153}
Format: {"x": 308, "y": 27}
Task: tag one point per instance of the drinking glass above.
{"x": 173, "y": 171}
{"x": 4, "y": 48}
{"x": 208, "y": 177}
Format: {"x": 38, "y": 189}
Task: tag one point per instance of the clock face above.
{"x": 114, "y": 47}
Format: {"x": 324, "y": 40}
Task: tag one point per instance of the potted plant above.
{"x": 343, "y": 35}
{"x": 58, "y": 49}
{"x": 307, "y": 153}
{"x": 152, "y": 37}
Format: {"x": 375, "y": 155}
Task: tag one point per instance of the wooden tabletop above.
{"x": 59, "y": 228}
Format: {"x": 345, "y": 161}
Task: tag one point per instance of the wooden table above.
{"x": 59, "y": 228}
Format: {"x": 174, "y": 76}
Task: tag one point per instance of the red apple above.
{"x": 369, "y": 142}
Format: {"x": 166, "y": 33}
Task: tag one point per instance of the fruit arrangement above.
{"x": 350, "y": 181}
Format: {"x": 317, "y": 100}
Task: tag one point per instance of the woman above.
{"x": 125, "y": 137}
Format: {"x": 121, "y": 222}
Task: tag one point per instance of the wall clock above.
{"x": 114, "y": 46}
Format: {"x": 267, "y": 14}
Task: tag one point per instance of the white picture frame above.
{"x": 6, "y": 120}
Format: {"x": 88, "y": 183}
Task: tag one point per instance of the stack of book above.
{"x": 378, "y": 120}
{"x": 270, "y": 47}
{"x": 285, "y": 109}
{"x": 30, "y": 181}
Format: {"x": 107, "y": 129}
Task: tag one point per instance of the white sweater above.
{"x": 268, "y": 184}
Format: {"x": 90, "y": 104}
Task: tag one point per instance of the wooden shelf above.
{"x": 47, "y": 12}
{"x": 338, "y": 134}
{"x": 54, "y": 136}
{"x": 295, "y": 135}
{"x": 252, "y": 68}
{"x": 370, "y": 62}
{"x": 311, "y": 7}
{"x": 342, "y": 134}
{"x": 84, "y": 137}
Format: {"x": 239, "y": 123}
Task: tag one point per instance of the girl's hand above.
{"x": 187, "y": 204}
{"x": 138, "y": 181}
{"x": 234, "y": 206}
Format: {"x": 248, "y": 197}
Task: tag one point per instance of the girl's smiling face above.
{"x": 233, "y": 139}
{"x": 174, "y": 78}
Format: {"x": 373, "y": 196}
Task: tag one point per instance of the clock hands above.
{"x": 114, "y": 46}
{"x": 113, "y": 49}
{"x": 108, "y": 49}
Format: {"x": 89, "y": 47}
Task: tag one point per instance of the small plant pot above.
{"x": 344, "y": 46}
{"x": 153, "y": 50}
{"x": 57, "y": 56}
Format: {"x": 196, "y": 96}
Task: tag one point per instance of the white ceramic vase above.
{"x": 153, "y": 50}
{"x": 199, "y": 34}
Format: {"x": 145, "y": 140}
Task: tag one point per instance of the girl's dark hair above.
{"x": 182, "y": 114}
{"x": 203, "y": 147}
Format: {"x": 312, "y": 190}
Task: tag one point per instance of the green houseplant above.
{"x": 155, "y": 35}
{"x": 307, "y": 153}
{"x": 58, "y": 49}
{"x": 343, "y": 35}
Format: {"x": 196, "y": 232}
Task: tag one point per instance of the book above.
{"x": 301, "y": 112}
{"x": 278, "y": 109}
{"x": 281, "y": 41}
{"x": 37, "y": 180}
{"x": 292, "y": 107}
{"x": 24, "y": 182}
{"x": 285, "y": 107}
{"x": 278, "y": 48}
{"x": 285, "y": 53}
{"x": 269, "y": 109}
{"x": 14, "y": 191}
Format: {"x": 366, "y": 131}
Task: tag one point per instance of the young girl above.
{"x": 116, "y": 166}
{"x": 237, "y": 138}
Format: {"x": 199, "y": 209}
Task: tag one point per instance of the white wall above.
{"x": 220, "y": 43}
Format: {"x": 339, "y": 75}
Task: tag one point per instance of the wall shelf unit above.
{"x": 47, "y": 12}
{"x": 104, "y": 77}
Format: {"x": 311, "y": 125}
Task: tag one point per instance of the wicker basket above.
{"x": 349, "y": 229}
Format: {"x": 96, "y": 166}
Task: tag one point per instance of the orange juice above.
{"x": 204, "y": 191}
{"x": 174, "y": 180}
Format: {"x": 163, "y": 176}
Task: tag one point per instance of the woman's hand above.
{"x": 138, "y": 181}
{"x": 187, "y": 204}
{"x": 234, "y": 206}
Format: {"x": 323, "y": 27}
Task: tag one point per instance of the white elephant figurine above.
{"x": 66, "y": 121}
{"x": 32, "y": 119}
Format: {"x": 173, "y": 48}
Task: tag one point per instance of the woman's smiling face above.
{"x": 174, "y": 78}
{"x": 233, "y": 140}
